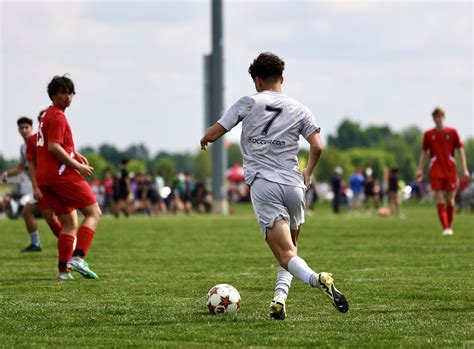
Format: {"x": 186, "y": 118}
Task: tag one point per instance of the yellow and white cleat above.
{"x": 326, "y": 284}
{"x": 278, "y": 308}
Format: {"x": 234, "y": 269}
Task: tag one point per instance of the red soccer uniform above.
{"x": 54, "y": 128}
{"x": 61, "y": 186}
{"x": 441, "y": 144}
{"x": 31, "y": 148}
{"x": 43, "y": 204}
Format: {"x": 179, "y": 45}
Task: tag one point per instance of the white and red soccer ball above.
{"x": 223, "y": 299}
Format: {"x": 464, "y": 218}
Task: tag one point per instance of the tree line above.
{"x": 351, "y": 146}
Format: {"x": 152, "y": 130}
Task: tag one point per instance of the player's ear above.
{"x": 282, "y": 79}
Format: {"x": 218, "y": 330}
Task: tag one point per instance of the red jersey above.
{"x": 54, "y": 128}
{"x": 441, "y": 145}
{"x": 31, "y": 148}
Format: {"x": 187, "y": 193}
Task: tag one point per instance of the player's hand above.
{"x": 307, "y": 178}
{"x": 419, "y": 175}
{"x": 5, "y": 177}
{"x": 466, "y": 174}
{"x": 37, "y": 194}
{"x": 82, "y": 159}
{"x": 85, "y": 170}
{"x": 204, "y": 144}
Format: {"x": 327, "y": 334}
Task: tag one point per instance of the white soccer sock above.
{"x": 300, "y": 270}
{"x": 283, "y": 282}
{"x": 35, "y": 238}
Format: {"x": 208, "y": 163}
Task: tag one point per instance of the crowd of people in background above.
{"x": 127, "y": 193}
{"x": 142, "y": 193}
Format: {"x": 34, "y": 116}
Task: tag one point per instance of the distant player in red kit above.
{"x": 60, "y": 173}
{"x": 441, "y": 142}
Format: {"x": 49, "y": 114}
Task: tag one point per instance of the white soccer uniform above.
{"x": 271, "y": 127}
{"x": 24, "y": 186}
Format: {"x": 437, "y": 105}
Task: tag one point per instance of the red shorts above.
{"x": 446, "y": 184}
{"x": 44, "y": 204}
{"x": 68, "y": 196}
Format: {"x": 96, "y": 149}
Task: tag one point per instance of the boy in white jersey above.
{"x": 271, "y": 125}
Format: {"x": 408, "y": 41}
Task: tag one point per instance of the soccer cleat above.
{"x": 326, "y": 284}
{"x": 81, "y": 266}
{"x": 62, "y": 276}
{"x": 447, "y": 232}
{"x": 32, "y": 248}
{"x": 278, "y": 308}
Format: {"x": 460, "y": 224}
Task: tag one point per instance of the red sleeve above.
{"x": 31, "y": 148}
{"x": 426, "y": 141}
{"x": 457, "y": 140}
{"x": 57, "y": 129}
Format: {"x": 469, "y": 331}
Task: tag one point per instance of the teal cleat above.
{"x": 62, "y": 276}
{"x": 81, "y": 266}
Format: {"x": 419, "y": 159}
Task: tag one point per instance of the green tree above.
{"x": 166, "y": 167}
{"x": 137, "y": 166}
{"x": 374, "y": 135}
{"x": 110, "y": 153}
{"x": 6, "y": 164}
{"x": 99, "y": 164}
{"x": 377, "y": 159}
{"x": 203, "y": 164}
{"x": 469, "y": 149}
{"x": 404, "y": 156}
{"x": 349, "y": 134}
{"x": 330, "y": 159}
{"x": 137, "y": 152}
{"x": 234, "y": 155}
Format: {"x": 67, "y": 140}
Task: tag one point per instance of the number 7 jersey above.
{"x": 272, "y": 124}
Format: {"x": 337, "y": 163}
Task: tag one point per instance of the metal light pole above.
{"x": 214, "y": 107}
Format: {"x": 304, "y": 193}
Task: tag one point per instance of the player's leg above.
{"x": 32, "y": 228}
{"x": 450, "y": 205}
{"x": 53, "y": 221}
{"x": 85, "y": 236}
{"x": 440, "y": 199}
{"x": 280, "y": 242}
{"x": 66, "y": 239}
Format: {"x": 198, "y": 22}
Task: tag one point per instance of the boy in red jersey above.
{"x": 60, "y": 173}
{"x": 44, "y": 206}
{"x": 441, "y": 142}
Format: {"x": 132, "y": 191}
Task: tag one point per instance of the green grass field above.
{"x": 407, "y": 285}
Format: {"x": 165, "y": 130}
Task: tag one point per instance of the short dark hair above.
{"x": 267, "y": 66}
{"x": 437, "y": 111}
{"x": 125, "y": 161}
{"x": 60, "y": 84}
{"x": 41, "y": 114}
{"x": 24, "y": 120}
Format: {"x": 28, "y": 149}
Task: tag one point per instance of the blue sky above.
{"x": 138, "y": 65}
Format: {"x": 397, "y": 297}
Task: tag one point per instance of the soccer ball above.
{"x": 223, "y": 299}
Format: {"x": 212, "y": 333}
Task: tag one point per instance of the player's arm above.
{"x": 13, "y": 171}
{"x": 81, "y": 158}
{"x": 421, "y": 164}
{"x": 462, "y": 157}
{"x": 315, "y": 150}
{"x": 212, "y": 134}
{"x": 62, "y": 156}
{"x": 32, "y": 174}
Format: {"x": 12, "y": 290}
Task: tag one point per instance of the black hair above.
{"x": 267, "y": 66}
{"x": 60, "y": 84}
{"x": 41, "y": 114}
{"x": 125, "y": 161}
{"x": 24, "y": 120}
